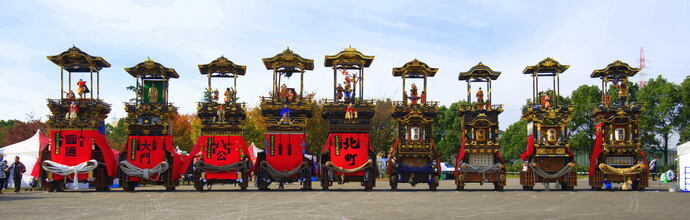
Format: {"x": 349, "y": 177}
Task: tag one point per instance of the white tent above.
{"x": 27, "y": 150}
{"x": 684, "y": 167}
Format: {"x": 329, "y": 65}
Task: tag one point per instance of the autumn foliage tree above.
{"x": 116, "y": 134}
{"x": 383, "y": 128}
{"x": 317, "y": 129}
{"x": 182, "y": 131}
{"x": 253, "y": 128}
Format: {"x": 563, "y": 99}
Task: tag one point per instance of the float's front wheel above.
{"x": 393, "y": 179}
{"x": 498, "y": 187}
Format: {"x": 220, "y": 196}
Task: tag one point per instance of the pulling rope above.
{"x": 343, "y": 171}
{"x": 237, "y": 166}
{"x": 65, "y": 170}
{"x": 544, "y": 175}
{"x": 625, "y": 172}
{"x": 132, "y": 170}
{"x": 469, "y": 168}
{"x": 282, "y": 175}
{"x": 335, "y": 168}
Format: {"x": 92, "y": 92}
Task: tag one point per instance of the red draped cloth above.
{"x": 219, "y": 151}
{"x": 73, "y": 147}
{"x": 461, "y": 155}
{"x": 596, "y": 150}
{"x": 530, "y": 148}
{"x": 348, "y": 150}
{"x": 285, "y": 151}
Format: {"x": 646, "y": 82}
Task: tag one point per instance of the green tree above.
{"x": 253, "y": 128}
{"x": 317, "y": 130}
{"x": 514, "y": 141}
{"x": 116, "y": 134}
{"x": 5, "y": 127}
{"x": 585, "y": 98}
{"x": 661, "y": 101}
{"x": 682, "y": 120}
{"x": 446, "y": 130}
{"x": 383, "y": 128}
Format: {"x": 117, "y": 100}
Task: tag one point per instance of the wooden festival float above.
{"x": 224, "y": 156}
{"x": 286, "y": 112}
{"x": 414, "y": 158}
{"x": 78, "y": 151}
{"x": 479, "y": 158}
{"x": 149, "y": 156}
{"x": 617, "y": 155}
{"x": 547, "y": 157}
{"x": 347, "y": 155}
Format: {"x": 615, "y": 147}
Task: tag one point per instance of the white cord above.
{"x": 132, "y": 170}
{"x": 65, "y": 170}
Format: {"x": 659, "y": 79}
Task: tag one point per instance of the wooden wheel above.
{"x": 306, "y": 175}
{"x": 245, "y": 180}
{"x": 498, "y": 187}
{"x": 393, "y": 179}
{"x": 370, "y": 178}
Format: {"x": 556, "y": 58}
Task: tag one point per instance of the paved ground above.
{"x": 349, "y": 202}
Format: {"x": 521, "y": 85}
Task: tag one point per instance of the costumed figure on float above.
{"x": 617, "y": 156}
{"x": 413, "y": 158}
{"x": 78, "y": 151}
{"x": 479, "y": 158}
{"x": 547, "y": 158}
{"x": 284, "y": 158}
{"x": 221, "y": 150}
{"x": 347, "y": 155}
{"x": 149, "y": 156}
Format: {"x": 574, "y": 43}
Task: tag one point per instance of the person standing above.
{"x": 17, "y": 170}
{"x": 652, "y": 169}
{"x": 3, "y": 175}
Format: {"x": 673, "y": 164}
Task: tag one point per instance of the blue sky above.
{"x": 450, "y": 35}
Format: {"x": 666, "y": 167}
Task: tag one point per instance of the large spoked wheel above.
{"x": 498, "y": 187}
{"x": 369, "y": 176}
{"x": 393, "y": 180}
{"x": 261, "y": 182}
{"x": 245, "y": 179}
{"x": 58, "y": 186}
{"x": 130, "y": 186}
{"x": 325, "y": 178}
{"x": 433, "y": 185}
{"x": 306, "y": 176}
{"x": 459, "y": 182}
{"x": 198, "y": 184}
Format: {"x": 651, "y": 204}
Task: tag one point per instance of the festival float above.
{"x": 149, "y": 156}
{"x": 347, "y": 155}
{"x": 286, "y": 111}
{"x": 479, "y": 159}
{"x": 224, "y": 157}
{"x": 547, "y": 158}
{"x": 414, "y": 158}
{"x": 78, "y": 151}
{"x": 617, "y": 156}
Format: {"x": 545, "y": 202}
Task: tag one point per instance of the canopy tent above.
{"x": 254, "y": 152}
{"x": 27, "y": 150}
{"x": 684, "y": 167}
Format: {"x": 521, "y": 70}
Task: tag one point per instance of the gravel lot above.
{"x": 349, "y": 202}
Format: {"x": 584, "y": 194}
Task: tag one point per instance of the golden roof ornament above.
{"x": 415, "y": 69}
